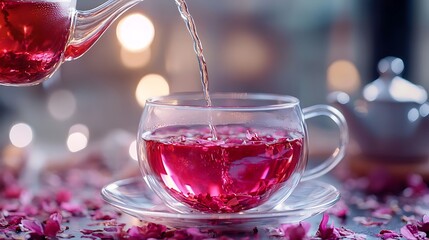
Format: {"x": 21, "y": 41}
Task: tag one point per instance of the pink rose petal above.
{"x": 74, "y": 208}
{"x": 90, "y": 231}
{"x": 424, "y": 225}
{"x": 295, "y": 231}
{"x": 384, "y": 213}
{"x": 326, "y": 232}
{"x": 349, "y": 234}
{"x": 33, "y": 226}
{"x": 388, "y": 234}
{"x": 104, "y": 215}
{"x": 152, "y": 230}
{"x": 53, "y": 225}
{"x": 411, "y": 232}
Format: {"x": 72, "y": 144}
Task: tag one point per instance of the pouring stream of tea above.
{"x": 198, "y": 48}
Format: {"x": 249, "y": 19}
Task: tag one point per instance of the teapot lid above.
{"x": 390, "y": 86}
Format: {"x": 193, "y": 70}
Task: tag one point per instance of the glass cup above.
{"x": 246, "y": 152}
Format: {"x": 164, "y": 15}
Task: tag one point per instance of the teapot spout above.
{"x": 89, "y": 25}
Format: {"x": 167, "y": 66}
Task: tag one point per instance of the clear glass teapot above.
{"x": 37, "y": 36}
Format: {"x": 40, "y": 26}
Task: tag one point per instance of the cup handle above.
{"x": 338, "y": 154}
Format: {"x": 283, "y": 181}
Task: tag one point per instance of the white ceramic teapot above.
{"x": 390, "y": 119}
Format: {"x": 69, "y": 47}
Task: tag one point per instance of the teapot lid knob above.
{"x": 391, "y": 87}
{"x": 390, "y": 66}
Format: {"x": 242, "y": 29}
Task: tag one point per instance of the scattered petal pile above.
{"x": 49, "y": 212}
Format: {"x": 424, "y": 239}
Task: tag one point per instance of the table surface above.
{"x": 370, "y": 204}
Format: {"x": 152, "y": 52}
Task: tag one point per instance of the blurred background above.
{"x": 302, "y": 48}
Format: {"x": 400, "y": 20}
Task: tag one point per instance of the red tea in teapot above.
{"x": 239, "y": 170}
{"x": 33, "y": 35}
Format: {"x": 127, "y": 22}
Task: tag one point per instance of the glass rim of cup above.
{"x": 171, "y": 101}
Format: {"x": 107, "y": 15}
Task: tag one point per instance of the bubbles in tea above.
{"x": 239, "y": 170}
{"x": 33, "y": 35}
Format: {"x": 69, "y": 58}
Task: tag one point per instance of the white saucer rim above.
{"x": 220, "y": 216}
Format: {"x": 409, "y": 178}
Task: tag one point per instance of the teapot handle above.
{"x": 339, "y": 153}
{"x": 88, "y": 26}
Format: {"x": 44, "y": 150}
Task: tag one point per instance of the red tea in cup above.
{"x": 239, "y": 170}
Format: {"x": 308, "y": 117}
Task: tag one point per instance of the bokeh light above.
{"x": 78, "y": 137}
{"x": 424, "y": 109}
{"x": 343, "y": 75}
{"x": 61, "y": 104}
{"x": 76, "y": 142}
{"x": 21, "y": 135}
{"x": 370, "y": 93}
{"x": 135, "y": 32}
{"x": 133, "y": 150}
{"x": 151, "y": 85}
{"x": 413, "y": 115}
{"x": 132, "y": 59}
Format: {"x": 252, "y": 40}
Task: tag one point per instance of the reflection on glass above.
{"x": 133, "y": 150}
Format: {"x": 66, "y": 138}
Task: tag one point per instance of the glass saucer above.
{"x": 134, "y": 197}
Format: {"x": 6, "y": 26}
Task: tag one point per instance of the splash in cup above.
{"x": 246, "y": 152}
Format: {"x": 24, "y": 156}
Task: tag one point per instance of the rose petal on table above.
{"x": 291, "y": 230}
{"x": 104, "y": 215}
{"x": 296, "y": 231}
{"x": 383, "y": 213}
{"x": 33, "y": 226}
{"x": 3, "y": 221}
{"x": 325, "y": 231}
{"x": 74, "y": 208}
{"x": 388, "y": 234}
{"x": 411, "y": 232}
{"x": 151, "y": 230}
{"x": 424, "y": 224}
{"x": 90, "y": 231}
{"x": 349, "y": 234}
{"x": 53, "y": 225}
